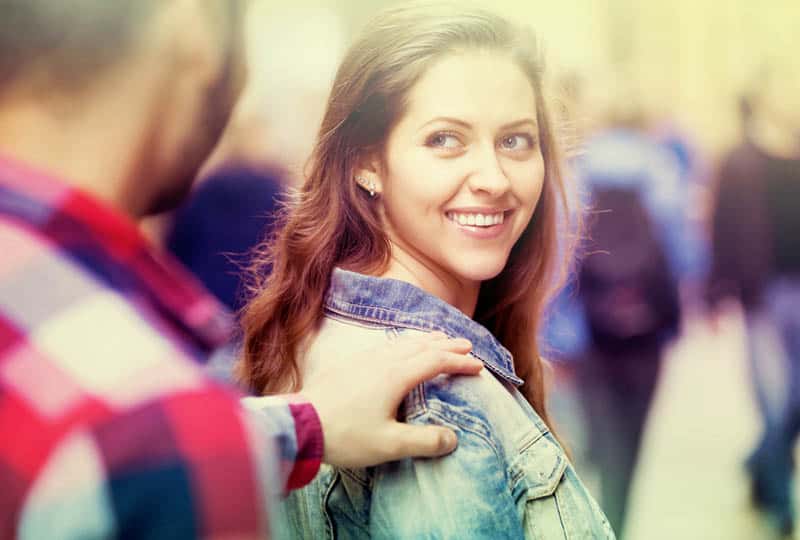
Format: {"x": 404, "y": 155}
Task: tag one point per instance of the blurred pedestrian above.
{"x": 624, "y": 306}
{"x": 214, "y": 233}
{"x": 756, "y": 260}
{"x": 630, "y": 302}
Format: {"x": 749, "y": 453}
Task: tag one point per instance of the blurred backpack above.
{"x": 629, "y": 294}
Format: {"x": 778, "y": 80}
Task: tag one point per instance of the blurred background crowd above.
{"x": 676, "y": 343}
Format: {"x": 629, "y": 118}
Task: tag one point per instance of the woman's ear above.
{"x": 368, "y": 175}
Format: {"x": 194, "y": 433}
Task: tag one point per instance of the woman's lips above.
{"x": 482, "y": 225}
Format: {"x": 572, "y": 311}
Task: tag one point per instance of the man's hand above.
{"x": 357, "y": 400}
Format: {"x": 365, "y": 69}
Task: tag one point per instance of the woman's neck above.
{"x": 407, "y": 266}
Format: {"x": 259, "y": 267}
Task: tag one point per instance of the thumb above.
{"x": 421, "y": 441}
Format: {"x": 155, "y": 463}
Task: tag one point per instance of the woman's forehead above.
{"x": 477, "y": 87}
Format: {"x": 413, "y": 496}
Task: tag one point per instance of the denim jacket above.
{"x": 508, "y": 478}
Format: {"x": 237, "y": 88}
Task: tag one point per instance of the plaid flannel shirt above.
{"x": 108, "y": 425}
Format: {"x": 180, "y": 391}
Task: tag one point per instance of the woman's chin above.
{"x": 480, "y": 271}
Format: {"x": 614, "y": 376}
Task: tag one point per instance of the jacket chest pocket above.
{"x": 536, "y": 474}
{"x": 552, "y": 502}
{"x": 347, "y": 504}
{"x": 334, "y": 506}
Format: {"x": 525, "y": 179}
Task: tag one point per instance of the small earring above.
{"x": 369, "y": 185}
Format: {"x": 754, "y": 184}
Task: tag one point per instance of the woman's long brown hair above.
{"x": 331, "y": 222}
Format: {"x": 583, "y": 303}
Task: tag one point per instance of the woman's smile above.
{"x": 480, "y": 223}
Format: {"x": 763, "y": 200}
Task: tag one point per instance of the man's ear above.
{"x": 197, "y": 35}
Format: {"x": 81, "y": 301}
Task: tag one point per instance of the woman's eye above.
{"x": 517, "y": 142}
{"x": 444, "y": 140}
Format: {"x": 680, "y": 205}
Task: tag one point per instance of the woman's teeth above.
{"x": 476, "y": 220}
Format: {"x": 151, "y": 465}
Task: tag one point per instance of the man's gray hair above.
{"x": 62, "y": 44}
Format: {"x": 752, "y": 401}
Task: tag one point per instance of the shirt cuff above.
{"x": 310, "y": 442}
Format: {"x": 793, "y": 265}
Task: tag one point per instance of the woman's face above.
{"x": 462, "y": 170}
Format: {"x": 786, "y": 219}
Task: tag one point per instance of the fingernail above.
{"x": 450, "y": 440}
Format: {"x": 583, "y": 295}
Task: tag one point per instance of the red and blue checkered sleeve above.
{"x": 294, "y": 425}
{"x": 189, "y": 465}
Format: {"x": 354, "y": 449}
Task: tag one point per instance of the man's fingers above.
{"x": 407, "y": 347}
{"x": 417, "y": 341}
{"x": 421, "y": 441}
{"x": 426, "y": 366}
{"x": 430, "y": 364}
{"x": 443, "y": 362}
{"x": 436, "y": 337}
{"x": 441, "y": 341}
{"x": 457, "y": 345}
{"x": 445, "y": 342}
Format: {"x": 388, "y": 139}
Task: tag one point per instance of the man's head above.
{"x": 64, "y": 44}
{"x": 170, "y": 70}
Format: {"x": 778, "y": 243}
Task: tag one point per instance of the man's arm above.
{"x": 184, "y": 465}
{"x": 357, "y": 415}
{"x": 196, "y": 464}
{"x": 293, "y": 426}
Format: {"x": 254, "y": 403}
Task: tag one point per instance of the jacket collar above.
{"x": 403, "y": 305}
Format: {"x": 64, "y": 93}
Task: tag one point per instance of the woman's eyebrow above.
{"x": 449, "y": 119}
{"x": 519, "y": 123}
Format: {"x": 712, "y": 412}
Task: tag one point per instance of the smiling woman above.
{"x": 461, "y": 175}
{"x": 430, "y": 205}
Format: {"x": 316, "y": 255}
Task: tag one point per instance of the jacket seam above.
{"x": 451, "y": 420}
{"x": 329, "y": 525}
{"x": 412, "y": 322}
{"x": 422, "y": 326}
{"x": 349, "y": 318}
